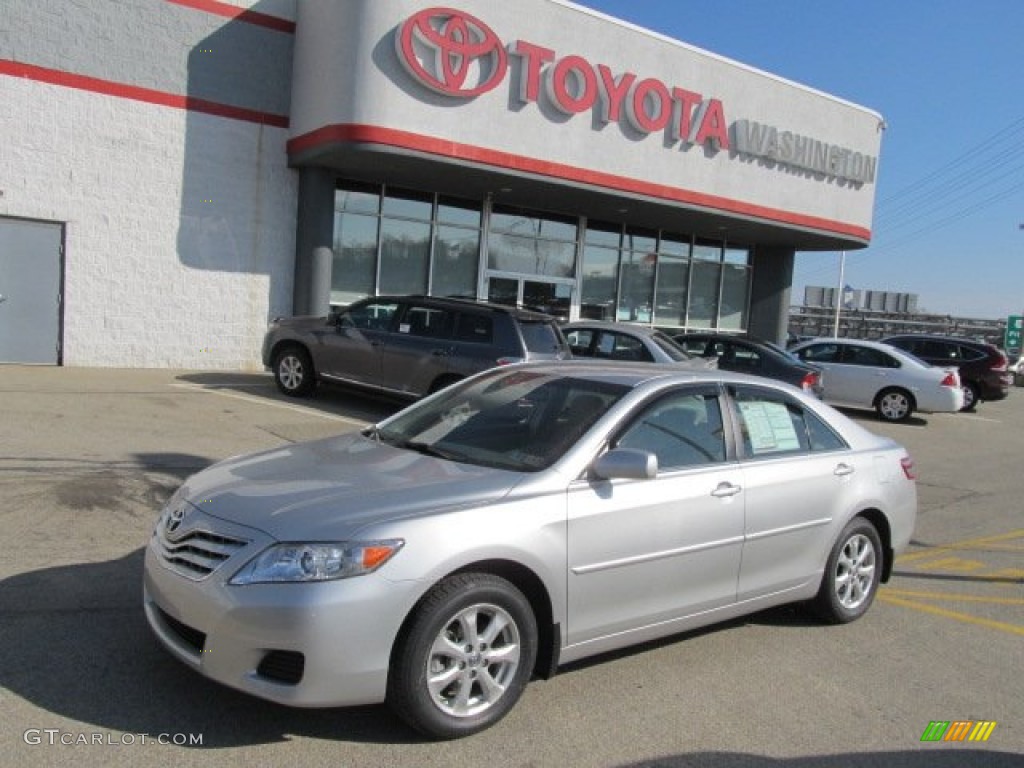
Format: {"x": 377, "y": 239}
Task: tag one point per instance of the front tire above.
{"x": 293, "y": 371}
{"x": 894, "y": 405}
{"x": 852, "y": 574}
{"x": 464, "y": 659}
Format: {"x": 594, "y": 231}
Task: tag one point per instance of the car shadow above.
{"x": 75, "y": 643}
{"x": 338, "y": 401}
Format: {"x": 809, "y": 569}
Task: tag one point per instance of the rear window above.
{"x": 541, "y": 337}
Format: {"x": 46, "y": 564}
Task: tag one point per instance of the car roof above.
{"x": 466, "y": 303}
{"x": 634, "y": 374}
{"x": 939, "y": 337}
{"x": 606, "y": 325}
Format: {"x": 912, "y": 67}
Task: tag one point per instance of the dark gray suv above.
{"x": 408, "y": 346}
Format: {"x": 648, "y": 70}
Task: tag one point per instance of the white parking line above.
{"x": 263, "y": 401}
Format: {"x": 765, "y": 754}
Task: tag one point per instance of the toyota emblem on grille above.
{"x": 444, "y": 48}
{"x": 175, "y": 519}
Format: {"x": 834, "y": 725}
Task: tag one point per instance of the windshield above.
{"x": 518, "y": 420}
{"x": 670, "y": 348}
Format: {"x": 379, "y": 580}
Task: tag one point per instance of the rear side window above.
{"x": 541, "y": 337}
{"x": 772, "y": 423}
{"x": 428, "y": 322}
{"x": 820, "y": 353}
{"x": 471, "y": 327}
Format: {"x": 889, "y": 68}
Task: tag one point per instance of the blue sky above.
{"x": 948, "y": 77}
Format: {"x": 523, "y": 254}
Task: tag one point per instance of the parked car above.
{"x": 868, "y": 374}
{"x": 983, "y": 367}
{"x": 754, "y": 356}
{"x": 606, "y": 340}
{"x": 406, "y": 345}
{"x": 525, "y": 518}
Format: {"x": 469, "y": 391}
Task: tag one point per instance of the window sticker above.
{"x": 769, "y": 426}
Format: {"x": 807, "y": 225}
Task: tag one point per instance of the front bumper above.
{"x": 306, "y": 644}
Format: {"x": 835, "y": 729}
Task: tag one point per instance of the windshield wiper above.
{"x": 431, "y": 450}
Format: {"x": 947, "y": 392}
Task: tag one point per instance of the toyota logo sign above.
{"x": 451, "y": 52}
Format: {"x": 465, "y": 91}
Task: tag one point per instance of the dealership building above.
{"x": 175, "y": 173}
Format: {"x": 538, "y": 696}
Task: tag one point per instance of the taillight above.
{"x": 1001, "y": 363}
{"x": 809, "y": 381}
{"x": 909, "y": 470}
{"x": 508, "y": 360}
{"x": 951, "y": 380}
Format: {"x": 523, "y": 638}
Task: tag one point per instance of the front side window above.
{"x": 683, "y": 430}
{"x": 375, "y": 316}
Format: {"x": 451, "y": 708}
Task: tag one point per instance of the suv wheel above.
{"x": 293, "y": 372}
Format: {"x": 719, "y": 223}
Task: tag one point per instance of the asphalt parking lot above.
{"x": 87, "y": 456}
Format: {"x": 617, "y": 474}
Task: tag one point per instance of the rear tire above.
{"x": 894, "y": 404}
{"x": 464, "y": 659}
{"x": 852, "y": 574}
{"x": 293, "y": 372}
{"x": 971, "y": 397}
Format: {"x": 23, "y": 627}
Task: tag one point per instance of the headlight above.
{"x": 316, "y": 562}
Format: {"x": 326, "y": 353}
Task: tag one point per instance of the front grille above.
{"x": 197, "y": 554}
{"x": 190, "y": 636}
{"x": 283, "y": 667}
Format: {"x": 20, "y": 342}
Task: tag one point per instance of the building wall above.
{"x": 155, "y": 130}
{"x": 516, "y": 124}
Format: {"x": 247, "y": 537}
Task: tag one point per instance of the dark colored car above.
{"x": 984, "y": 368}
{"x": 408, "y": 346}
{"x": 754, "y": 356}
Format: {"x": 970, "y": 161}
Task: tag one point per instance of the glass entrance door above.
{"x": 552, "y": 297}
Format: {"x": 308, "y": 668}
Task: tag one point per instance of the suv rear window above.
{"x": 540, "y": 336}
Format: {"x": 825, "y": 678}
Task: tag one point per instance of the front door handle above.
{"x": 842, "y": 470}
{"x": 724, "y": 490}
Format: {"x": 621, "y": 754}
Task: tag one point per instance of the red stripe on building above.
{"x": 371, "y": 134}
{"x": 235, "y": 13}
{"x": 137, "y": 93}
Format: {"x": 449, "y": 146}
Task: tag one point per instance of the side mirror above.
{"x": 628, "y": 463}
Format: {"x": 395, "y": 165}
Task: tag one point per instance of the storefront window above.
{"x": 705, "y": 284}
{"x": 455, "y": 262}
{"x": 530, "y": 244}
{"x": 419, "y": 250}
{"x": 354, "y": 270}
{"x": 672, "y": 281}
{"x": 404, "y": 256}
{"x": 732, "y": 314}
{"x": 636, "y": 288}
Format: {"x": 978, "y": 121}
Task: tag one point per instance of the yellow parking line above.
{"x": 953, "y": 597}
{"x": 1002, "y": 626}
{"x": 965, "y": 544}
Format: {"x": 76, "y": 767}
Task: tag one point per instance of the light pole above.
{"x": 839, "y": 291}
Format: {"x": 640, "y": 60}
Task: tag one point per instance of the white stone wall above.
{"x": 180, "y": 226}
{"x": 152, "y": 278}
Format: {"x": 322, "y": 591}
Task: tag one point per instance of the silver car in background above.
{"x": 868, "y": 374}
{"x": 629, "y": 342}
{"x": 527, "y": 517}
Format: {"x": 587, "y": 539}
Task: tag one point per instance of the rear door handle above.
{"x": 842, "y": 470}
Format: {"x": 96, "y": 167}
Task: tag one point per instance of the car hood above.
{"x": 328, "y": 489}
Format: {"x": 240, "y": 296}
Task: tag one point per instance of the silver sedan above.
{"x": 528, "y": 517}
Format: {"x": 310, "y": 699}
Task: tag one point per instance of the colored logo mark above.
{"x": 451, "y": 52}
{"x": 958, "y": 730}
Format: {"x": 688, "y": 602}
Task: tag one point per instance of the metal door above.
{"x": 30, "y": 291}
